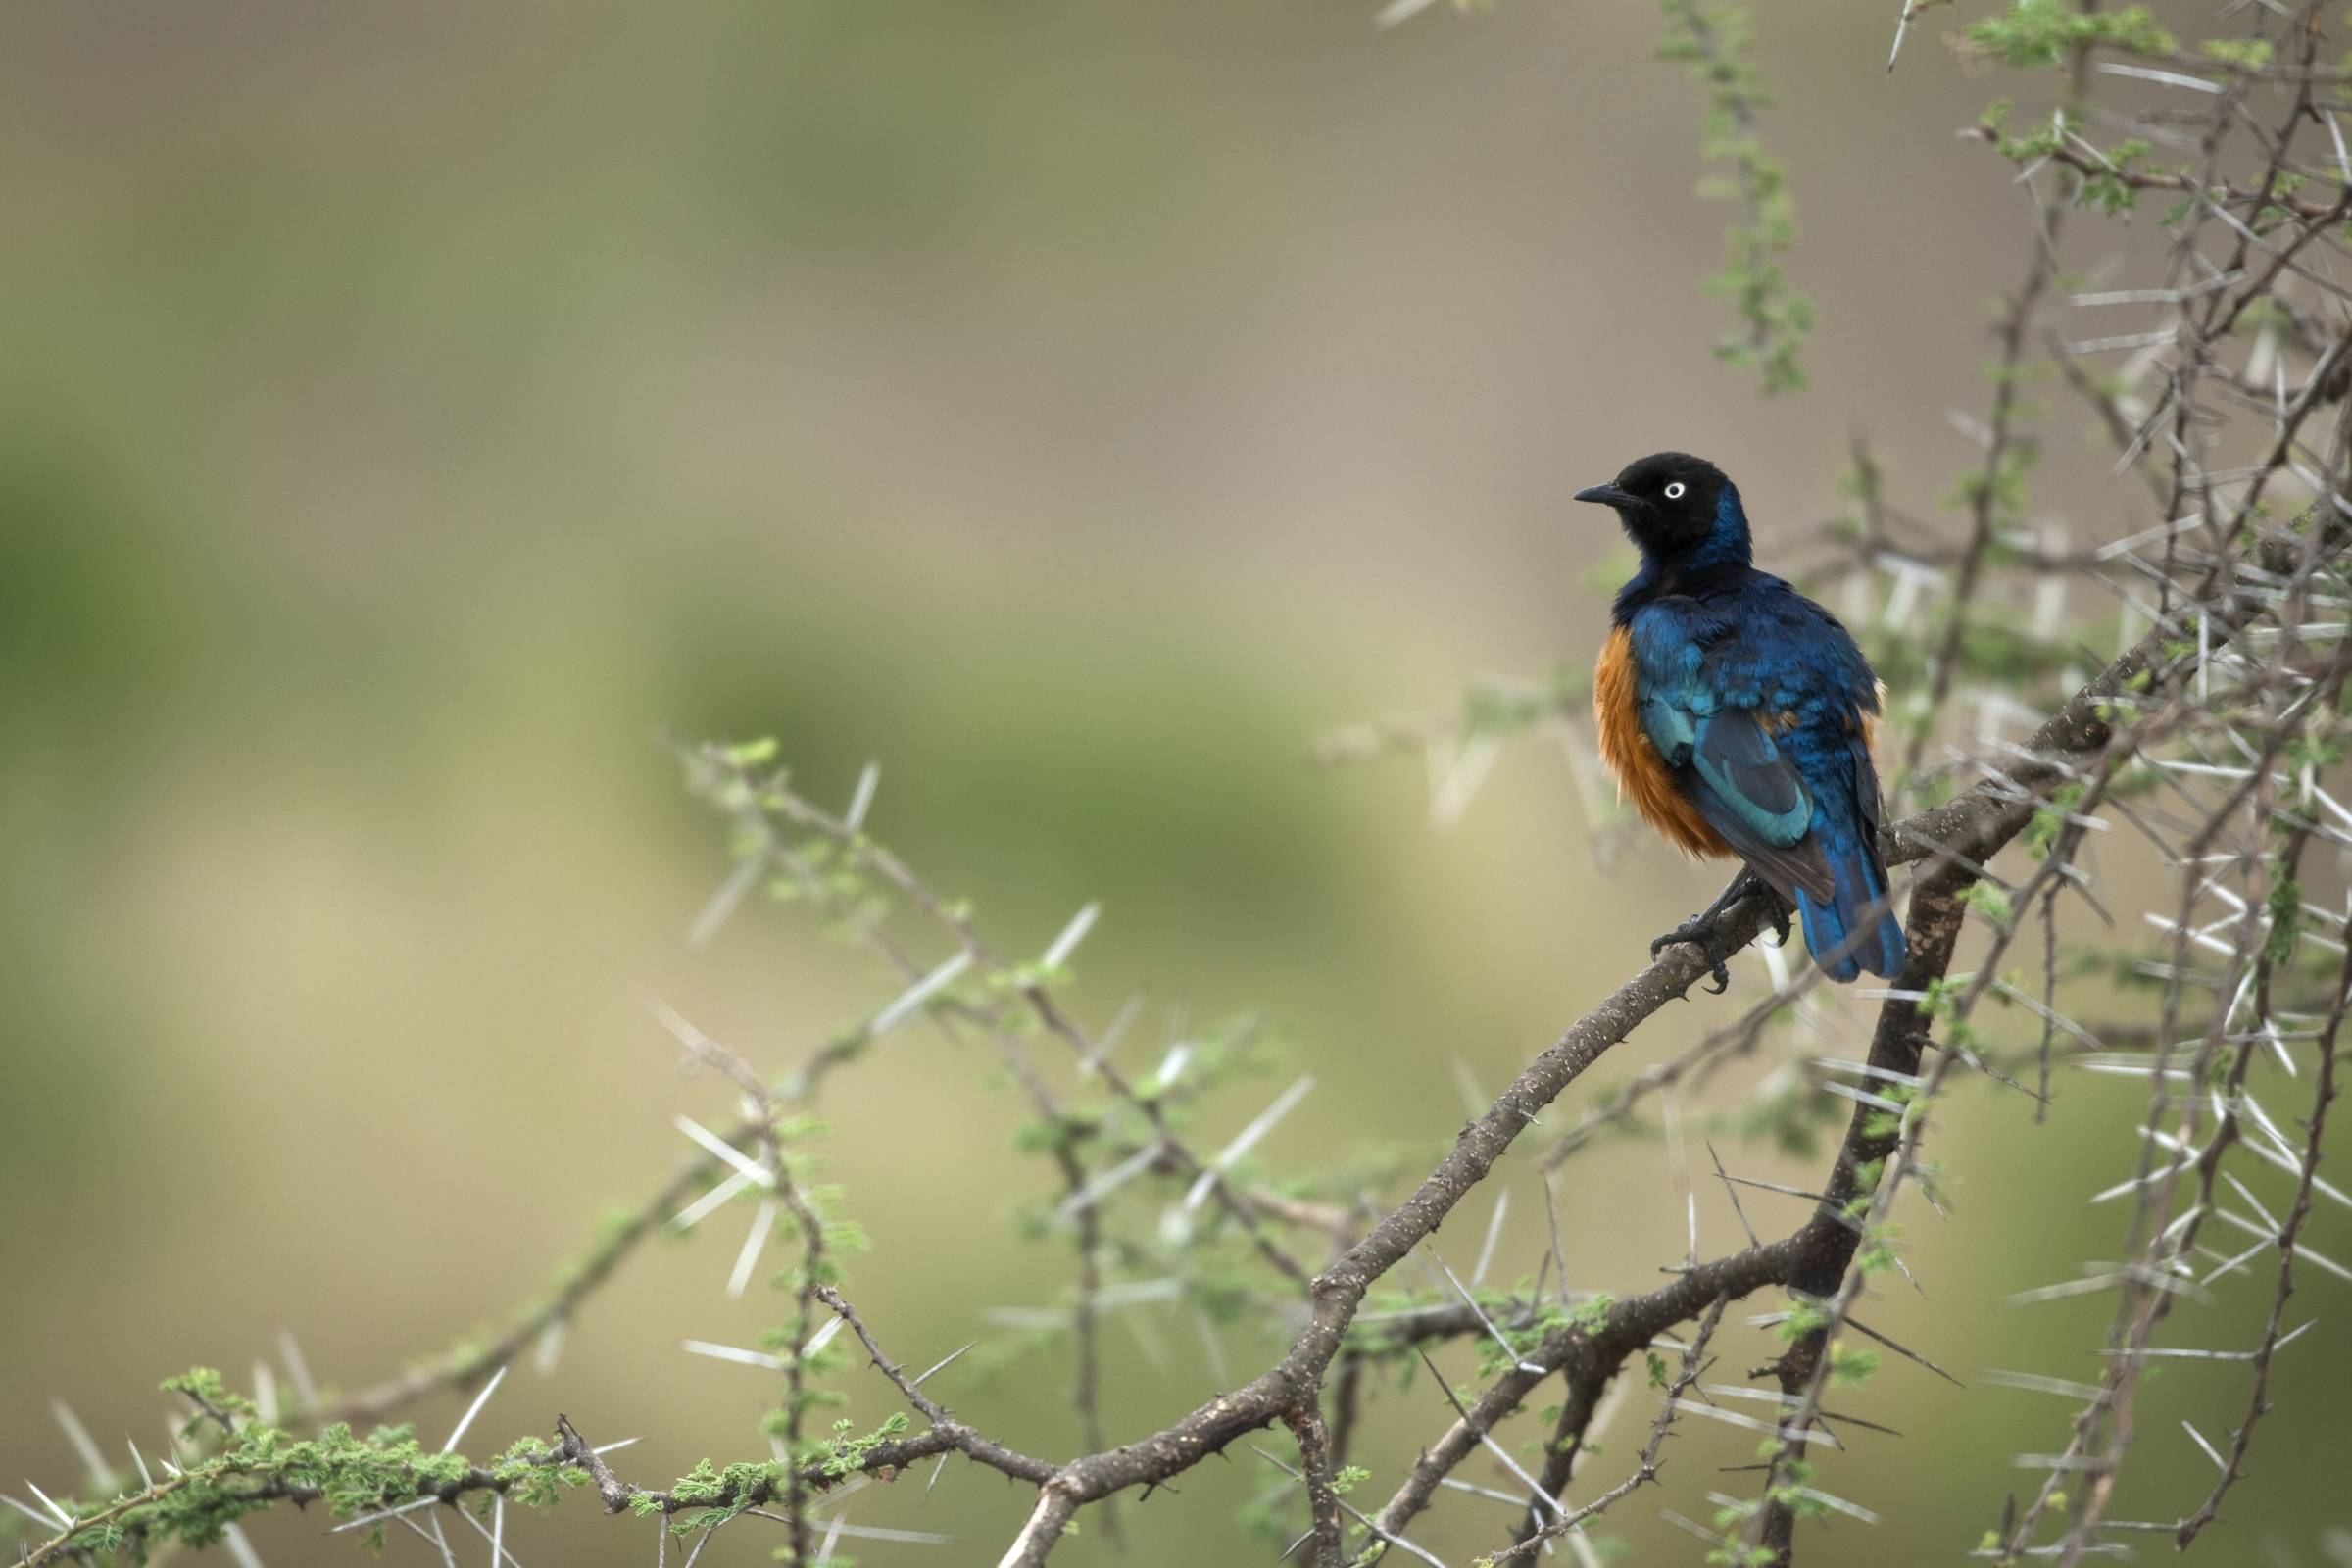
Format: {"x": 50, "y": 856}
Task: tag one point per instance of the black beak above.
{"x": 1608, "y": 494}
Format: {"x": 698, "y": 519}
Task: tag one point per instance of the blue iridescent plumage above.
{"x": 1757, "y": 706}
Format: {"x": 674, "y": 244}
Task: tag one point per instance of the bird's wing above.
{"x": 1737, "y": 760}
{"x": 1866, "y": 786}
{"x": 1723, "y": 756}
{"x": 1751, "y": 793}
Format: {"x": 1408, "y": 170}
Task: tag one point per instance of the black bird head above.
{"x": 1678, "y": 509}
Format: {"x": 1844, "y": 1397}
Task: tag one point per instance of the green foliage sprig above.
{"x": 1717, "y": 45}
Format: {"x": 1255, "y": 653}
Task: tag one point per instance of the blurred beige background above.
{"x": 408, "y": 413}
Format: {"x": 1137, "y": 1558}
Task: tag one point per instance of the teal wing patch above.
{"x": 1737, "y": 757}
{"x": 1671, "y": 728}
{"x": 1750, "y": 793}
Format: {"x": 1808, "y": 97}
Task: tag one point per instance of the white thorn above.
{"x": 49, "y": 1504}
{"x": 729, "y": 1353}
{"x": 1486, "y": 1251}
{"x": 380, "y": 1515}
{"x": 727, "y": 899}
{"x": 241, "y": 1548}
{"x": 474, "y": 1410}
{"x": 694, "y": 1213}
{"x": 102, "y": 1474}
{"x": 749, "y": 1257}
{"x": 1071, "y": 935}
{"x": 297, "y": 1367}
{"x": 869, "y": 776}
{"x": 822, "y": 1338}
{"x": 2198, "y": 1438}
{"x": 720, "y": 1147}
{"x": 1247, "y": 1138}
{"x": 907, "y": 1000}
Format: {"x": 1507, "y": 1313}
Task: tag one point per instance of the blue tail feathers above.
{"x": 1848, "y": 935}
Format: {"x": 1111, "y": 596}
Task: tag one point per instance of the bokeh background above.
{"x": 408, "y": 413}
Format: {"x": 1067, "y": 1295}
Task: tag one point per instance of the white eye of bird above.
{"x": 1674, "y": 491}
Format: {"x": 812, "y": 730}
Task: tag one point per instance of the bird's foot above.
{"x": 1699, "y": 932}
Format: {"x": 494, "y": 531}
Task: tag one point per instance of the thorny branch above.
{"x": 2211, "y": 736}
{"x": 1647, "y": 1463}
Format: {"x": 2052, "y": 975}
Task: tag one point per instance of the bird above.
{"x": 1738, "y": 715}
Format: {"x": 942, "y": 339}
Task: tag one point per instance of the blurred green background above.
{"x": 407, "y": 414}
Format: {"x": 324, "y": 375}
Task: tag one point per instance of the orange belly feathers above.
{"x": 1627, "y": 752}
